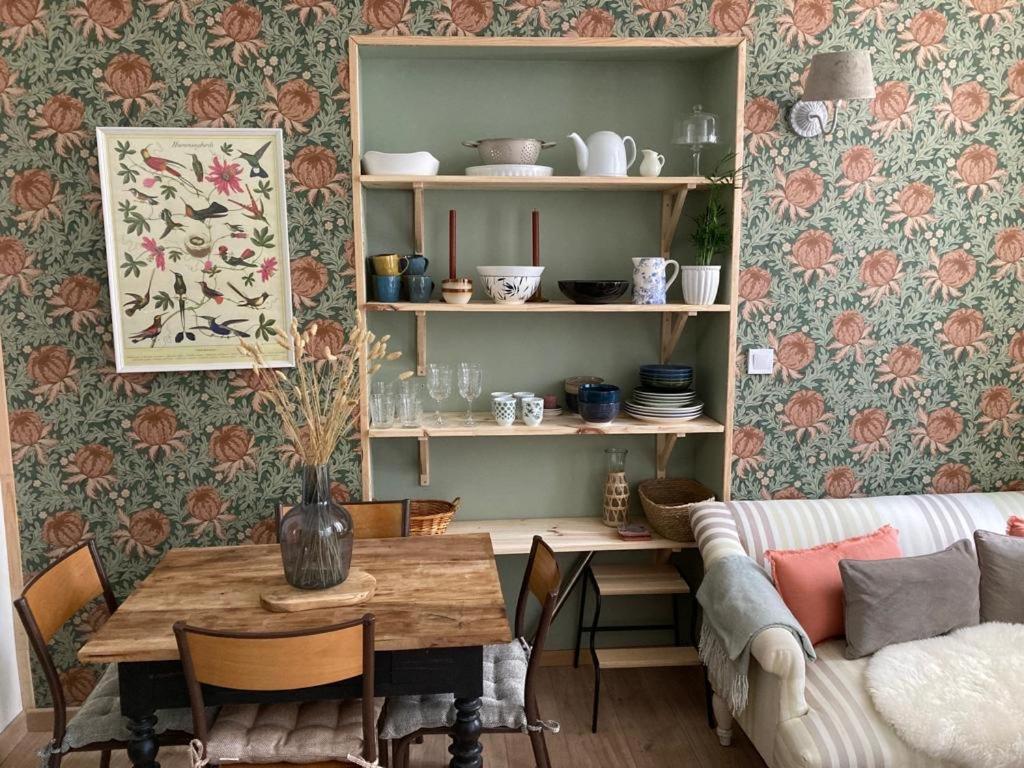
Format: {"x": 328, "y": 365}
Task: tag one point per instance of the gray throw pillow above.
{"x": 908, "y": 598}
{"x": 1001, "y": 559}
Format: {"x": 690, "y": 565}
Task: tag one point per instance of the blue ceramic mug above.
{"x": 419, "y": 288}
{"x": 387, "y": 287}
{"x": 417, "y": 265}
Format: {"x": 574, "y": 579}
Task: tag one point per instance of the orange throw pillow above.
{"x": 1015, "y": 526}
{"x": 810, "y": 583}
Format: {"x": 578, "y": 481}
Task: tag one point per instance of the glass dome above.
{"x": 696, "y": 130}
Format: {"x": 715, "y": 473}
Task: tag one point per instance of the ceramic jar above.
{"x": 533, "y": 411}
{"x": 650, "y": 285}
{"x": 700, "y": 283}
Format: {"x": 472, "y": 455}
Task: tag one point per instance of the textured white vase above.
{"x": 700, "y": 284}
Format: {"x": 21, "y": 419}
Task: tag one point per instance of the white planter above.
{"x": 700, "y": 284}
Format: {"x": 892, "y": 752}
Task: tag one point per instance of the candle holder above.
{"x": 538, "y": 296}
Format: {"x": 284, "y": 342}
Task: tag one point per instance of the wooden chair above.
{"x": 282, "y": 661}
{"x": 542, "y": 580}
{"x": 48, "y": 601}
{"x": 371, "y": 519}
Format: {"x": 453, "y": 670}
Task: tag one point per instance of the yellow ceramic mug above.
{"x": 389, "y": 264}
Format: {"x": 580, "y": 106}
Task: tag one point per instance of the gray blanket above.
{"x": 739, "y": 602}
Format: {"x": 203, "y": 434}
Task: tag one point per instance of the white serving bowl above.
{"x": 505, "y": 271}
{"x": 510, "y": 289}
{"x": 400, "y": 164}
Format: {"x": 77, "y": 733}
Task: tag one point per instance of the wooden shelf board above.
{"x": 562, "y": 534}
{"x": 566, "y": 424}
{"x": 545, "y": 306}
{"x": 537, "y": 183}
{"x": 617, "y": 579}
{"x": 649, "y": 657}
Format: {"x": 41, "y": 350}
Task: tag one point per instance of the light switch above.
{"x": 760, "y": 361}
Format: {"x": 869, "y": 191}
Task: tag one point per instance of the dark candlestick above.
{"x": 536, "y": 238}
{"x": 451, "y": 244}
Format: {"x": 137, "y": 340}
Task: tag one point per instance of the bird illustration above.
{"x": 197, "y": 168}
{"x": 160, "y": 164}
{"x": 253, "y": 159}
{"x": 253, "y": 209}
{"x": 169, "y": 223}
{"x": 221, "y": 329}
{"x": 211, "y": 293}
{"x": 181, "y": 289}
{"x": 138, "y": 302}
{"x": 212, "y": 211}
{"x": 240, "y": 260}
{"x": 142, "y": 197}
{"x": 253, "y": 302}
{"x": 149, "y": 333}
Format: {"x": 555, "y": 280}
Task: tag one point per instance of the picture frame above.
{"x": 196, "y": 229}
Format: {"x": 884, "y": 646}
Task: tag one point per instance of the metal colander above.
{"x": 509, "y": 151}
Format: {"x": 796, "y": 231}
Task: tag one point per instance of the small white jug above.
{"x": 652, "y": 163}
{"x": 649, "y": 283}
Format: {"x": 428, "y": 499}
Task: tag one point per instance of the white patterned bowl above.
{"x": 510, "y": 289}
{"x": 510, "y": 271}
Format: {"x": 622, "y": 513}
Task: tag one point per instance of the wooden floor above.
{"x": 649, "y": 719}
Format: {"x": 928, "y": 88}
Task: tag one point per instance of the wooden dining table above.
{"x": 438, "y": 602}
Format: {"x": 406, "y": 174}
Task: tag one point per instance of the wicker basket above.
{"x": 668, "y": 502}
{"x": 430, "y": 517}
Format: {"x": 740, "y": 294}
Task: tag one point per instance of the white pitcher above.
{"x": 649, "y": 283}
{"x": 652, "y": 163}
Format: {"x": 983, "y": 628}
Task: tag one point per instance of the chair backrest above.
{"x": 543, "y": 581}
{"x": 279, "y": 661}
{"x": 56, "y": 594}
{"x": 371, "y": 519}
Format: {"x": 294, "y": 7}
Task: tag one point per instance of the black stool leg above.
{"x": 677, "y": 640}
{"x": 579, "y": 623}
{"x": 593, "y": 652}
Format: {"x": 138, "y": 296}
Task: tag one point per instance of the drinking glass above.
{"x": 439, "y": 385}
{"x": 382, "y": 409}
{"x": 471, "y": 380}
{"x": 410, "y": 409}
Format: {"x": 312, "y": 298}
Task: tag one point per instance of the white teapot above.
{"x": 603, "y": 153}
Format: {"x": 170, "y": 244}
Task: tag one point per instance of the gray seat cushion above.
{"x": 503, "y": 702}
{"x": 99, "y": 719}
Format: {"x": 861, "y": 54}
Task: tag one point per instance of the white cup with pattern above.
{"x": 504, "y": 410}
{"x": 533, "y": 411}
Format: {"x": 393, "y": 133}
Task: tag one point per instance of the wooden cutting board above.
{"x": 357, "y": 588}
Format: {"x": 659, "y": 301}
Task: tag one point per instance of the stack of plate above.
{"x": 649, "y": 405}
{"x": 669, "y": 378}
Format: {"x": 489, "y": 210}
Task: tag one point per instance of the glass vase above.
{"x": 316, "y": 535}
{"x": 616, "y": 489}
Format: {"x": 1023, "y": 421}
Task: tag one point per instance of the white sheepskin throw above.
{"x": 958, "y": 698}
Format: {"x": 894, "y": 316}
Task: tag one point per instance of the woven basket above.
{"x": 668, "y": 503}
{"x": 430, "y": 517}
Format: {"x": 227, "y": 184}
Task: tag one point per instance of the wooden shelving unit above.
{"x": 562, "y": 534}
{"x": 666, "y": 62}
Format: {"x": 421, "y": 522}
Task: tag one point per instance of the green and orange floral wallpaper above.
{"x": 884, "y": 264}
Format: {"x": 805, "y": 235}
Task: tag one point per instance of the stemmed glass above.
{"x": 439, "y": 385}
{"x": 697, "y": 130}
{"x": 471, "y": 381}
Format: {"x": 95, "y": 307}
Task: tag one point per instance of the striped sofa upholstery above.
{"x": 838, "y": 727}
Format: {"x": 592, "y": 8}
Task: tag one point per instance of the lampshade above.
{"x": 843, "y": 75}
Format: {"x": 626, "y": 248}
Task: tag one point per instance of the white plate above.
{"x": 662, "y": 419}
{"x": 510, "y": 170}
{"x": 664, "y": 411}
{"x": 680, "y": 398}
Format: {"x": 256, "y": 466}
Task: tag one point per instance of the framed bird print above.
{"x": 197, "y": 246}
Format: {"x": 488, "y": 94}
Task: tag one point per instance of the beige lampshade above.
{"x": 844, "y": 75}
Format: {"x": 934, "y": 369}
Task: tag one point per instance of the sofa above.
{"x": 818, "y": 714}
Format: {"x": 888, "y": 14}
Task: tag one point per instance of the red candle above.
{"x": 536, "y": 238}
{"x": 451, "y": 244}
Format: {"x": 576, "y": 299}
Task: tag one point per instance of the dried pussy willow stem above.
{"x": 318, "y": 401}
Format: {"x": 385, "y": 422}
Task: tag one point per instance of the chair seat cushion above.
{"x": 291, "y": 732}
{"x": 99, "y": 719}
{"x": 503, "y": 704}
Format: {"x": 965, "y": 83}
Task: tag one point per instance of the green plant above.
{"x": 712, "y": 231}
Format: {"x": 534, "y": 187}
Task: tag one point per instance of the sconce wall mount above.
{"x": 836, "y": 77}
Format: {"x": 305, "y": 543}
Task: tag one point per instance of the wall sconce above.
{"x": 835, "y": 77}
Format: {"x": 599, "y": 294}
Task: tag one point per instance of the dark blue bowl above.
{"x": 667, "y": 370}
{"x": 599, "y": 393}
{"x": 599, "y": 413}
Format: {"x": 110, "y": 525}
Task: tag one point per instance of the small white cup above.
{"x": 533, "y": 411}
{"x": 520, "y": 396}
{"x": 504, "y": 411}
{"x": 500, "y": 395}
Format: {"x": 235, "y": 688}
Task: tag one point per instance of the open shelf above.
{"x": 537, "y": 183}
{"x": 546, "y": 306}
{"x": 566, "y": 424}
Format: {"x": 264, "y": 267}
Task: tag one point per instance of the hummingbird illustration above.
{"x": 212, "y": 211}
{"x": 253, "y": 209}
{"x": 150, "y": 333}
{"x": 138, "y": 302}
{"x": 211, "y": 293}
{"x": 181, "y": 289}
{"x": 142, "y": 197}
{"x": 253, "y": 302}
{"x": 253, "y": 159}
{"x": 197, "y": 168}
{"x": 240, "y": 260}
{"x": 160, "y": 164}
{"x": 221, "y": 329}
{"x": 169, "y": 223}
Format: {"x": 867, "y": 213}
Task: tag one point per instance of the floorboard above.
{"x": 649, "y": 719}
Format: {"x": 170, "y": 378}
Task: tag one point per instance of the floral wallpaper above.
{"x": 884, "y": 264}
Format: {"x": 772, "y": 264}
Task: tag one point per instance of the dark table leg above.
{"x": 143, "y": 746}
{"x": 466, "y": 750}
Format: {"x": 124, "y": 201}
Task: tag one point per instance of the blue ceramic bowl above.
{"x": 599, "y": 393}
{"x": 667, "y": 371}
{"x": 599, "y": 413}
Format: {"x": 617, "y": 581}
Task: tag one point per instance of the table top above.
{"x": 562, "y": 534}
{"x": 432, "y": 592}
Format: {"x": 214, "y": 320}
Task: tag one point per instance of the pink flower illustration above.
{"x": 148, "y": 182}
{"x": 154, "y": 249}
{"x": 224, "y": 176}
{"x": 870, "y": 12}
{"x": 268, "y": 268}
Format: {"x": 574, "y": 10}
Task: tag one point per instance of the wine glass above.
{"x": 471, "y": 381}
{"x": 439, "y": 385}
